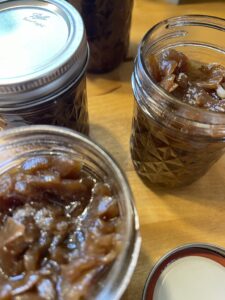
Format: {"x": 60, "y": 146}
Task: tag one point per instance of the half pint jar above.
{"x": 43, "y": 59}
{"x": 108, "y": 25}
{"x": 74, "y": 231}
{"x": 174, "y": 143}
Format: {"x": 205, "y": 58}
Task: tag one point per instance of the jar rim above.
{"x": 201, "y": 20}
{"x": 131, "y": 246}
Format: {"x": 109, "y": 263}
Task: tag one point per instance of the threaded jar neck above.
{"x": 201, "y": 38}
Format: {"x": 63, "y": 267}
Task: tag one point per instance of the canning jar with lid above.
{"x": 107, "y": 24}
{"x": 43, "y": 60}
{"x": 29, "y": 142}
{"x": 174, "y": 143}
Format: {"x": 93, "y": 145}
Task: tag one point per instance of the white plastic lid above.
{"x": 43, "y": 47}
{"x": 192, "y": 272}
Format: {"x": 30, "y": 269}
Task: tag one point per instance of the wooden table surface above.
{"x": 167, "y": 219}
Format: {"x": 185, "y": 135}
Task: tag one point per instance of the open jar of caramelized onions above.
{"x": 43, "y": 60}
{"x": 178, "y": 129}
{"x": 68, "y": 224}
{"x": 107, "y": 24}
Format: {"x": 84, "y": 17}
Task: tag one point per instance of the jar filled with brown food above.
{"x": 68, "y": 225}
{"x": 108, "y": 25}
{"x": 43, "y": 60}
{"x": 178, "y": 129}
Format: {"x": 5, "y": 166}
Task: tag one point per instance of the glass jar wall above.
{"x": 173, "y": 143}
{"x": 44, "y": 80}
{"x": 108, "y": 25}
{"x": 38, "y": 153}
{"x": 67, "y": 108}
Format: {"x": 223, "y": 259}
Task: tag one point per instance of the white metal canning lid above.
{"x": 190, "y": 272}
{"x": 43, "y": 48}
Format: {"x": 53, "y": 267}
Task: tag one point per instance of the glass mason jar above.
{"x": 20, "y": 143}
{"x": 173, "y": 143}
{"x": 107, "y": 24}
{"x": 42, "y": 78}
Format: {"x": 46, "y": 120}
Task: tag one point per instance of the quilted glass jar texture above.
{"x": 173, "y": 143}
{"x": 162, "y": 157}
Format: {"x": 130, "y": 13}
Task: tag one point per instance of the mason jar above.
{"x": 43, "y": 61}
{"x": 19, "y": 144}
{"x": 174, "y": 143}
{"x": 108, "y": 25}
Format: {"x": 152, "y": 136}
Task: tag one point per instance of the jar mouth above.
{"x": 182, "y": 109}
{"x": 122, "y": 269}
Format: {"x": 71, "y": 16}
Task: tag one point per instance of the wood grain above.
{"x": 192, "y": 214}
